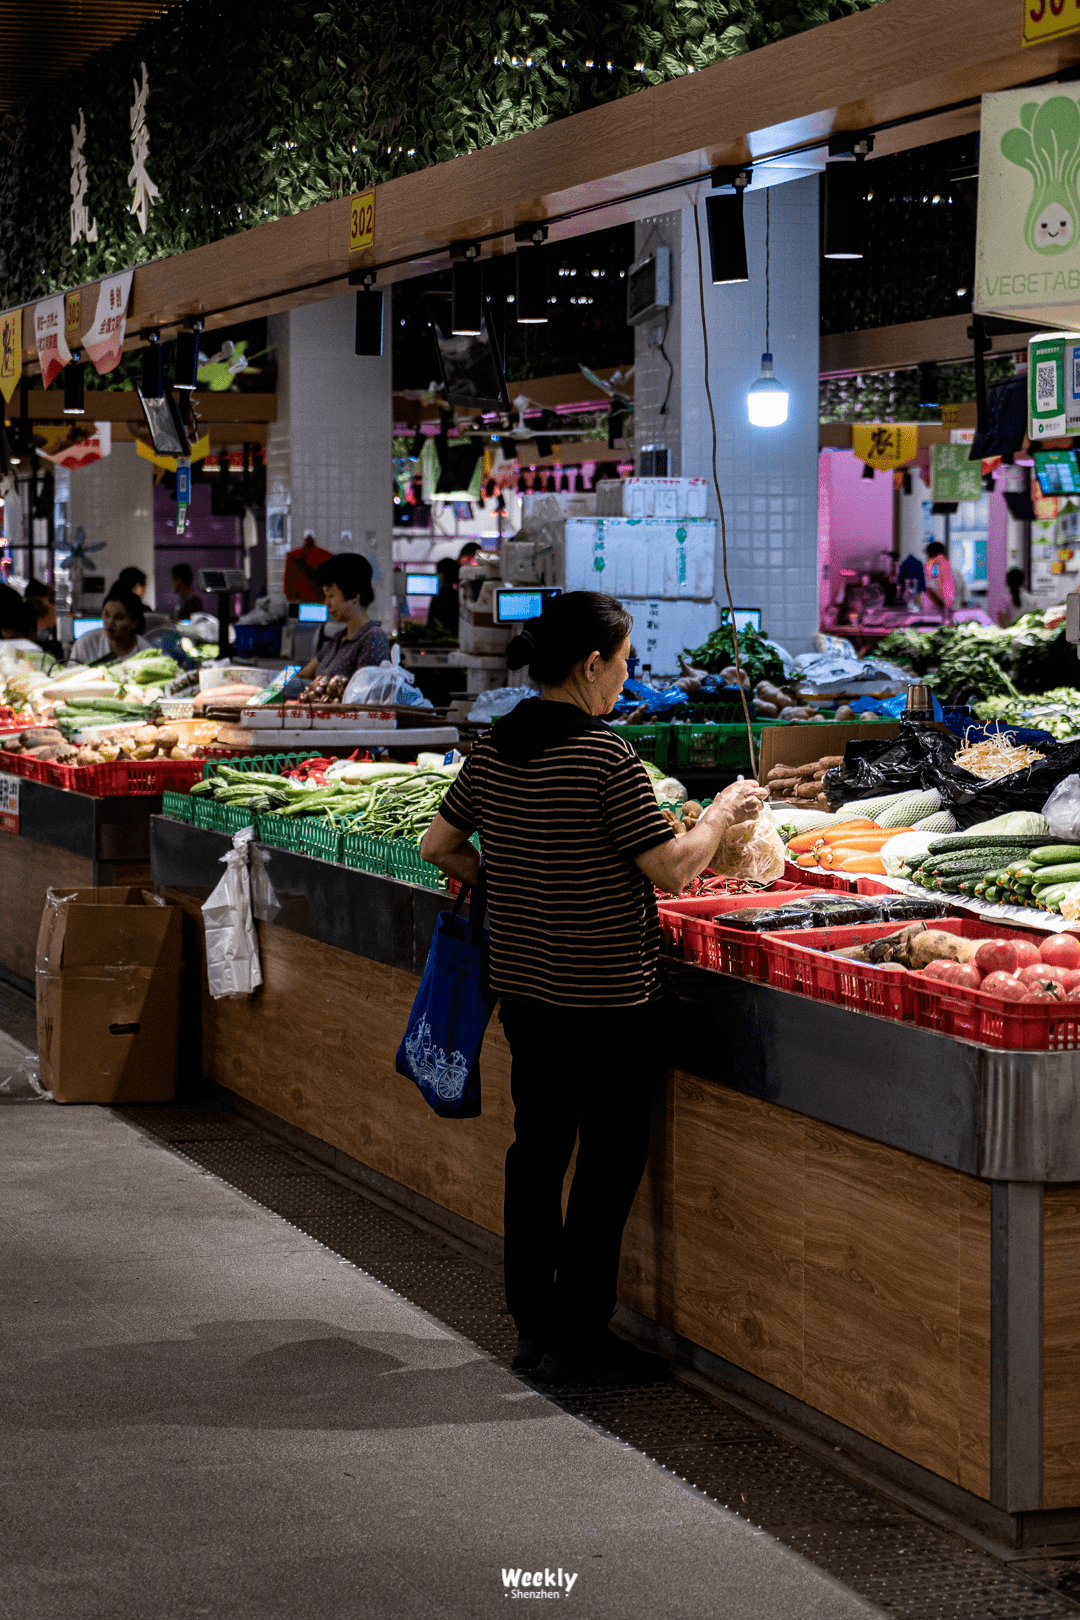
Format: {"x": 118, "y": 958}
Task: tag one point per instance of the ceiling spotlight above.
{"x": 724, "y": 221}
{"x": 369, "y": 321}
{"x": 73, "y": 386}
{"x": 844, "y": 197}
{"x": 531, "y": 306}
{"x": 466, "y": 303}
{"x": 153, "y": 379}
{"x": 186, "y": 363}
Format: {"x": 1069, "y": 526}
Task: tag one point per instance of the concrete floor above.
{"x": 207, "y": 1413}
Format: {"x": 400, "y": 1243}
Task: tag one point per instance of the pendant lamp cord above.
{"x": 768, "y": 346}
{"x": 719, "y": 499}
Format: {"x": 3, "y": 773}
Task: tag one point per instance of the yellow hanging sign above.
{"x": 198, "y": 451}
{"x": 1048, "y": 19}
{"x": 885, "y": 444}
{"x": 361, "y": 221}
{"x": 10, "y": 352}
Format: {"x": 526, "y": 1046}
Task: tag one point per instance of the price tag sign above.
{"x": 1048, "y": 19}
{"x": 362, "y": 221}
{"x": 9, "y": 803}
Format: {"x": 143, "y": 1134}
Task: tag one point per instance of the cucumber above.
{"x": 1067, "y": 873}
{"x": 991, "y": 894}
{"x": 1055, "y": 854}
{"x": 957, "y": 841}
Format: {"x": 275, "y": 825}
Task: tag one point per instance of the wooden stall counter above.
{"x": 921, "y": 1315}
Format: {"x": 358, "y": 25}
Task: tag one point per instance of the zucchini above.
{"x": 1055, "y": 854}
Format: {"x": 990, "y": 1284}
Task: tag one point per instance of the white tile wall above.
{"x": 767, "y": 476}
{"x": 113, "y": 500}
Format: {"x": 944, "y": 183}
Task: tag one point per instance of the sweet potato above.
{"x": 934, "y": 945}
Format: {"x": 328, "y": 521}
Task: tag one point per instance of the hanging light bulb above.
{"x": 767, "y": 398}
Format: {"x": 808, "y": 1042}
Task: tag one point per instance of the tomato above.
{"x": 1042, "y": 973}
{"x": 1029, "y": 953}
{"x": 964, "y": 975}
{"x": 1004, "y": 986}
{"x": 1062, "y": 950}
{"x": 1071, "y": 980}
{"x": 1055, "y": 993}
{"x": 998, "y": 956}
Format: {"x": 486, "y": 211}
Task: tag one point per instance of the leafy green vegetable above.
{"x": 759, "y": 660}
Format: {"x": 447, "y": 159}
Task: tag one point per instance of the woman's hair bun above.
{"x": 521, "y": 650}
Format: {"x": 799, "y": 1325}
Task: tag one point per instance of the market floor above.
{"x": 208, "y": 1413}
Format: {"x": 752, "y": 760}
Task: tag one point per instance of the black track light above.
{"x": 369, "y": 321}
{"x": 153, "y": 379}
{"x": 73, "y": 386}
{"x": 988, "y": 483}
{"x": 868, "y": 471}
{"x": 727, "y": 235}
{"x": 844, "y": 210}
{"x": 928, "y": 384}
{"x": 186, "y": 363}
{"x": 467, "y": 299}
{"x": 905, "y": 484}
{"x": 531, "y": 305}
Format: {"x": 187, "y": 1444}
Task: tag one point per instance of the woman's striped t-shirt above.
{"x": 573, "y": 919}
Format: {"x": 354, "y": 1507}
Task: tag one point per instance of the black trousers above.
{"x": 587, "y": 1075}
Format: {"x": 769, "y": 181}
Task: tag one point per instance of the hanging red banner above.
{"x": 103, "y": 342}
{"x": 51, "y": 337}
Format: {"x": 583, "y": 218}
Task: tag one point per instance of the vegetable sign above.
{"x": 1027, "y": 259}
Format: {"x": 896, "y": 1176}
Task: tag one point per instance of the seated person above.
{"x": 348, "y": 593}
{"x": 443, "y": 609}
{"x": 123, "y": 622}
{"x": 187, "y": 602}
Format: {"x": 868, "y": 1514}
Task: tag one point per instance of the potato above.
{"x": 144, "y": 751}
{"x": 107, "y": 752}
{"x": 769, "y": 710}
{"x": 691, "y": 811}
{"x": 167, "y": 737}
{"x": 145, "y": 734}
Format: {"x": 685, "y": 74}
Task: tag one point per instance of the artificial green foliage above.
{"x": 893, "y": 396}
{"x": 260, "y": 111}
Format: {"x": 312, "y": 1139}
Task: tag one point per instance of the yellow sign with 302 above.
{"x": 1049, "y": 19}
{"x": 362, "y": 221}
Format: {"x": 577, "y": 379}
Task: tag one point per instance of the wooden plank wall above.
{"x": 1061, "y": 1346}
{"x": 851, "y": 1275}
{"x": 27, "y": 871}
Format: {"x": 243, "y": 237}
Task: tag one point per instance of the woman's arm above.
{"x": 448, "y": 848}
{"x": 672, "y": 865}
{"x": 309, "y": 670}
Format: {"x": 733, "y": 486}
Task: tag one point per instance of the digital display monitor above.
{"x": 747, "y": 618}
{"x": 313, "y": 612}
{"x": 168, "y": 435}
{"x": 471, "y": 366}
{"x": 516, "y": 604}
{"x": 421, "y": 584}
{"x": 1057, "y": 471}
{"x": 82, "y": 626}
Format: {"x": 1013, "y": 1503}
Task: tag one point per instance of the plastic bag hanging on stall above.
{"x": 232, "y": 946}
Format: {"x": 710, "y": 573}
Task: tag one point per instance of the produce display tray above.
{"x": 128, "y": 778}
{"x": 795, "y": 964}
{"x": 723, "y": 744}
{"x": 688, "y": 927}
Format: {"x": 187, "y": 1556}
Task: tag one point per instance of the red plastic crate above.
{"x": 815, "y": 879}
{"x": 796, "y": 964}
{"x": 13, "y": 764}
{"x": 688, "y": 927}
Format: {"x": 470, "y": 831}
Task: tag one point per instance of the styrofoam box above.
{"x": 671, "y": 558}
{"x": 265, "y": 718}
{"x": 652, "y": 497}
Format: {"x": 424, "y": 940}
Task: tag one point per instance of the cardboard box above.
{"x": 798, "y": 745}
{"x": 108, "y": 996}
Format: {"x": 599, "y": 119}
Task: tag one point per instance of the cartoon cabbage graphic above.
{"x": 1048, "y": 146}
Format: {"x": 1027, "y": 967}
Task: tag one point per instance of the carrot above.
{"x": 862, "y": 841}
{"x": 805, "y": 842}
{"x": 806, "y": 860}
{"x": 836, "y": 835}
{"x": 862, "y": 863}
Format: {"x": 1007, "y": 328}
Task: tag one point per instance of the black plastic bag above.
{"x": 1024, "y": 790}
{"x": 916, "y": 760}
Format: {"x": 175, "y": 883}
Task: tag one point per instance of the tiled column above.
{"x": 768, "y": 476}
{"x": 328, "y": 455}
{"x": 113, "y": 500}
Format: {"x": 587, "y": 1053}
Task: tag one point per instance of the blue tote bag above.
{"x": 440, "y": 1050}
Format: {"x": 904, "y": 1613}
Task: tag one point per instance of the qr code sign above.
{"x": 1046, "y": 385}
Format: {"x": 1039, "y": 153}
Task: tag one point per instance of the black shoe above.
{"x": 618, "y": 1363}
{"x": 528, "y": 1355}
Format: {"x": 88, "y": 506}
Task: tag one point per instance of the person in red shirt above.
{"x": 940, "y": 585}
{"x": 300, "y": 565}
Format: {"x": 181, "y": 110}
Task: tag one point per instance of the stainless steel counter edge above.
{"x": 1009, "y": 1116}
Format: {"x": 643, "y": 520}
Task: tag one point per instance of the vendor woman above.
{"x": 347, "y": 592}
{"x": 573, "y": 843}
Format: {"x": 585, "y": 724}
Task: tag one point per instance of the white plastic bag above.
{"x": 1062, "y": 809}
{"x": 232, "y": 947}
{"x": 499, "y": 701}
{"x": 380, "y": 685}
{"x": 751, "y": 850}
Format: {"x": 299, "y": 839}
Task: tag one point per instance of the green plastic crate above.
{"x": 366, "y": 852}
{"x": 316, "y": 838}
{"x": 713, "y": 745}
{"x": 273, "y": 764}
{"x": 405, "y": 864}
{"x": 279, "y": 832}
{"x": 223, "y": 818}
{"x": 178, "y": 806}
{"x": 651, "y": 743}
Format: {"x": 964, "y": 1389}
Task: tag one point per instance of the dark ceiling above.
{"x": 41, "y": 40}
